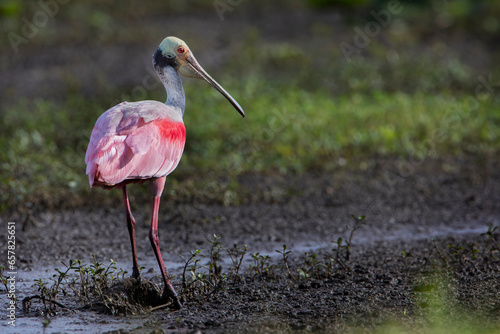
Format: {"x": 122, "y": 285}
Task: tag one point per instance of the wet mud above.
{"x": 423, "y": 250}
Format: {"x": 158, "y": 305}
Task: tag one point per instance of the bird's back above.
{"x": 134, "y": 141}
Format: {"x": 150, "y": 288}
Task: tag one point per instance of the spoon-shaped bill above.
{"x": 195, "y": 67}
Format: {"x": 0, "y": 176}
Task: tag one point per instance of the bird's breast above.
{"x": 171, "y": 131}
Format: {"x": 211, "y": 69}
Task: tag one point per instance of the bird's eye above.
{"x": 181, "y": 49}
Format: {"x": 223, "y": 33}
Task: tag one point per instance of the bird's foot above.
{"x": 137, "y": 275}
{"x": 172, "y": 295}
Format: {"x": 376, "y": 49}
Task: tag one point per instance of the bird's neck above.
{"x": 173, "y": 85}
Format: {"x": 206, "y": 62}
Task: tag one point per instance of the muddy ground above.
{"x": 435, "y": 212}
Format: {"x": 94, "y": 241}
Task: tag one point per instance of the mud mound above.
{"x": 133, "y": 296}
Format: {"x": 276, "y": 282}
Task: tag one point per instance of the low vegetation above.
{"x": 437, "y": 285}
{"x": 290, "y": 132}
{"x": 303, "y": 112}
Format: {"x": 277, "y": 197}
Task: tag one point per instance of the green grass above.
{"x": 294, "y": 130}
{"x": 305, "y": 110}
{"x": 286, "y": 131}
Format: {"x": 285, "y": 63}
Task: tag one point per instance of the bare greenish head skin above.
{"x": 175, "y": 49}
{"x": 169, "y": 45}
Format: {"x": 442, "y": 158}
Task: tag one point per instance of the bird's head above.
{"x": 174, "y": 52}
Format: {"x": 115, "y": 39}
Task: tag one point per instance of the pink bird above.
{"x": 138, "y": 141}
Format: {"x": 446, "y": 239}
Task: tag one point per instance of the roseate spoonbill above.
{"x": 138, "y": 141}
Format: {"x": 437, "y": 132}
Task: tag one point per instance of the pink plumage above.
{"x": 135, "y": 141}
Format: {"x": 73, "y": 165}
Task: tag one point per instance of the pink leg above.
{"x": 131, "y": 231}
{"x": 157, "y": 189}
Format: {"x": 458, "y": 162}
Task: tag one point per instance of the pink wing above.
{"x": 137, "y": 140}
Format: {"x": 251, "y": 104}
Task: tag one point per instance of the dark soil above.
{"x": 435, "y": 215}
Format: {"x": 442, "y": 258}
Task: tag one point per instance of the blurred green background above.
{"x": 326, "y": 85}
